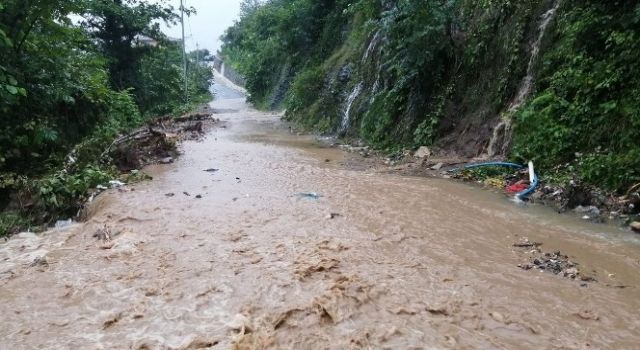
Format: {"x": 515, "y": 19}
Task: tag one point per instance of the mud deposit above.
{"x": 237, "y": 259}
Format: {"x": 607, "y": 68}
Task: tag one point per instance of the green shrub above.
{"x": 11, "y": 223}
{"x": 304, "y": 91}
{"x": 61, "y": 193}
{"x": 586, "y": 115}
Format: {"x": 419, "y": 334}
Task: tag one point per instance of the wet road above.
{"x": 408, "y": 263}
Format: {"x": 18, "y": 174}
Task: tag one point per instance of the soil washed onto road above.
{"x": 258, "y": 238}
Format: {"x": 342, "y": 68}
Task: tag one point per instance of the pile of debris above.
{"x": 556, "y": 262}
{"x": 157, "y": 141}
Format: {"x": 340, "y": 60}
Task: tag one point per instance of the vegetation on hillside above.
{"x": 74, "y": 74}
{"x": 444, "y": 73}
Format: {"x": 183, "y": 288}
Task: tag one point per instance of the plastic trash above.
{"x": 309, "y": 195}
{"x": 517, "y": 188}
{"x": 63, "y": 223}
{"x": 116, "y": 183}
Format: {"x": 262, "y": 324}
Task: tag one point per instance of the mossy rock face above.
{"x": 446, "y": 73}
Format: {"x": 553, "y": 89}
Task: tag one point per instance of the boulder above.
{"x": 422, "y": 152}
{"x": 437, "y": 166}
{"x": 635, "y": 226}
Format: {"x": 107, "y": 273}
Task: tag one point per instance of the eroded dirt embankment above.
{"x": 235, "y": 257}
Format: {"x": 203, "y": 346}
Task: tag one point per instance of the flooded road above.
{"x": 235, "y": 258}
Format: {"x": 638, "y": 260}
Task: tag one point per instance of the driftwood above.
{"x": 162, "y": 127}
{"x": 154, "y": 141}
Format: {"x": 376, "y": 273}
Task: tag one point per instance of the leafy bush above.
{"x": 68, "y": 89}
{"x": 10, "y": 222}
{"x": 61, "y": 192}
{"x": 304, "y": 90}
{"x": 587, "y": 113}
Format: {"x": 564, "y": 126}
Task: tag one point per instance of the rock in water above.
{"x": 422, "y": 152}
{"x": 635, "y": 226}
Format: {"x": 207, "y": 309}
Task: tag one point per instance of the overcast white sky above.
{"x": 206, "y": 27}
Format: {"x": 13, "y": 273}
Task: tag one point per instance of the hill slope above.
{"x": 552, "y": 81}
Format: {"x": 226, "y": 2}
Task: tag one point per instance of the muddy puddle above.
{"x": 236, "y": 258}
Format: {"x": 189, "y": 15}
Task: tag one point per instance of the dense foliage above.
{"x": 586, "y": 114}
{"x": 73, "y": 75}
{"x": 427, "y": 72}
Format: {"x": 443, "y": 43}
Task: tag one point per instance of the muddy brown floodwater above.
{"x": 244, "y": 262}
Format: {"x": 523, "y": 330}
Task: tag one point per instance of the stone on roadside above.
{"x": 635, "y": 226}
{"x": 437, "y": 166}
{"x": 167, "y": 160}
{"x": 590, "y": 211}
{"x": 422, "y": 152}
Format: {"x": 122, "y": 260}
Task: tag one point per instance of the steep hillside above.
{"x": 555, "y": 81}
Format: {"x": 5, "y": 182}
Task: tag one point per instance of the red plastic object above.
{"x": 517, "y": 188}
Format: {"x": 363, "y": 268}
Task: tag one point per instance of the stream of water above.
{"x": 502, "y": 133}
{"x": 374, "y": 261}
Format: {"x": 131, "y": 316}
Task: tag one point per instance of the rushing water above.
{"x": 409, "y": 263}
{"x": 502, "y": 133}
{"x": 346, "y": 115}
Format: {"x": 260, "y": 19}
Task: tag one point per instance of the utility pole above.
{"x": 184, "y": 53}
{"x": 197, "y": 53}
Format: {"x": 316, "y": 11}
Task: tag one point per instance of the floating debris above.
{"x": 116, "y": 183}
{"x": 309, "y": 195}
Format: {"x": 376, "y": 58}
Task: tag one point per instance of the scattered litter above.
{"x": 169, "y": 194}
{"x": 104, "y": 236}
{"x": 199, "y": 196}
{"x": 39, "y": 261}
{"x": 167, "y": 160}
{"x": 211, "y": 170}
{"x": 556, "y": 263}
{"x": 186, "y": 194}
{"x": 333, "y": 215}
{"x": 589, "y": 212}
{"x": 63, "y": 223}
{"x": 517, "y": 188}
{"x": 525, "y": 243}
{"x": 101, "y": 188}
{"x": 309, "y": 195}
{"x": 116, "y": 183}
